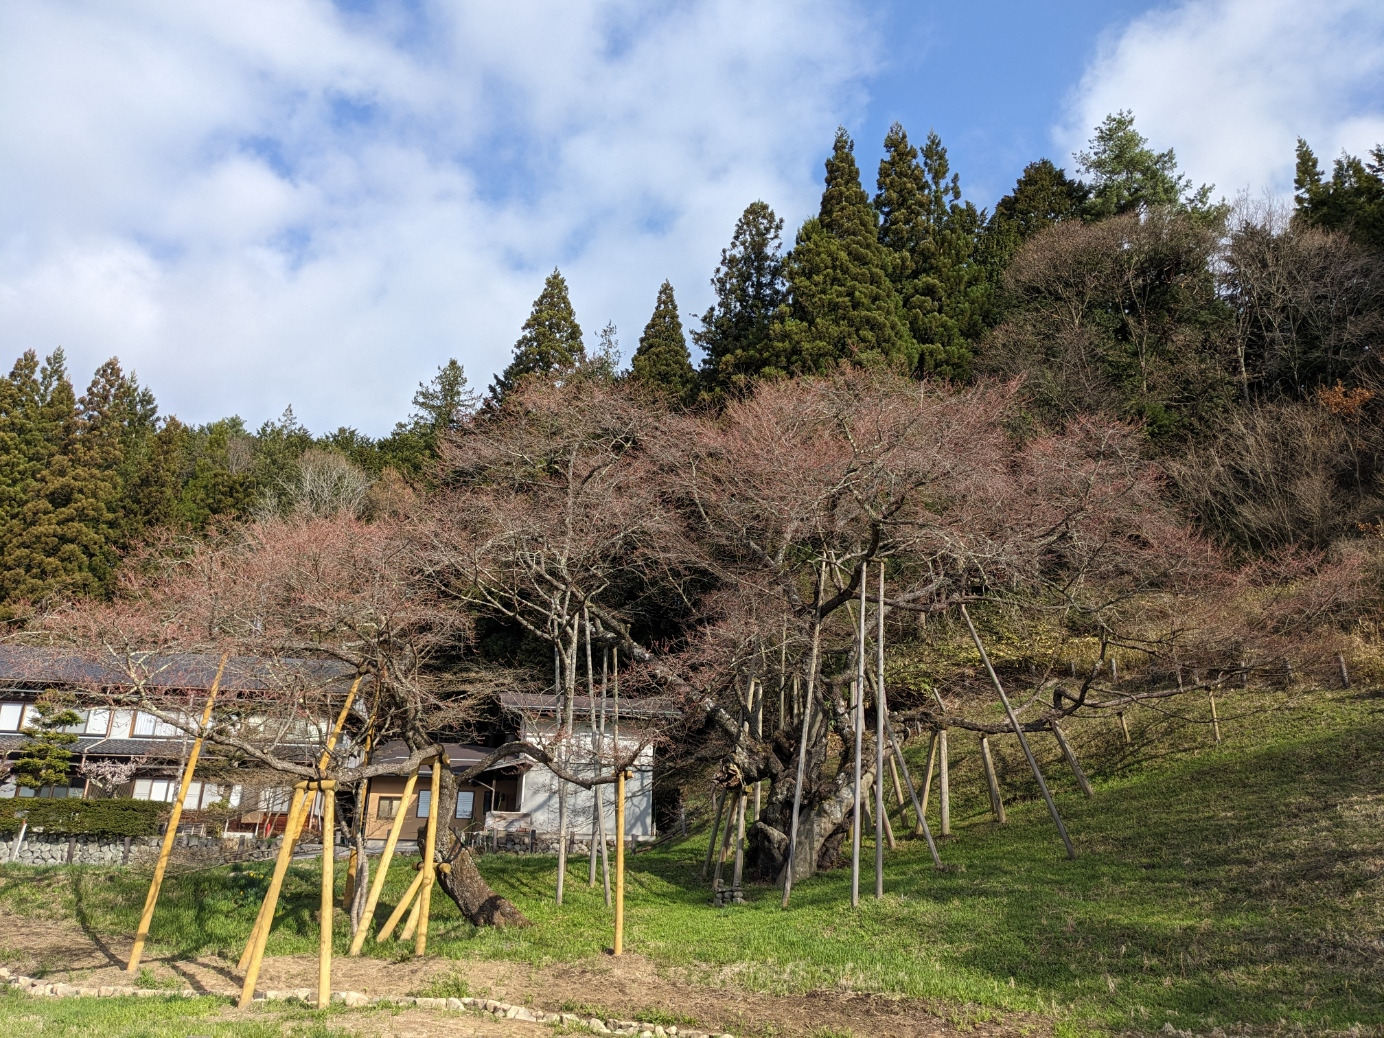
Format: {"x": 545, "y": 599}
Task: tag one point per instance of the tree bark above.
{"x": 461, "y": 881}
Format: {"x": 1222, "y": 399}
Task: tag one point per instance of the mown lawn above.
{"x": 1214, "y": 885}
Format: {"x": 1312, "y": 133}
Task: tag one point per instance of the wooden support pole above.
{"x": 918, "y": 808}
{"x": 1345, "y": 674}
{"x": 265, "y": 919}
{"x": 859, "y": 724}
{"x": 1019, "y": 731}
{"x": 992, "y": 780}
{"x": 405, "y": 903}
{"x": 166, "y": 850}
{"x": 324, "y": 940}
{"x": 411, "y": 927}
{"x": 802, "y": 746}
{"x": 386, "y": 858}
{"x": 881, "y": 819}
{"x": 898, "y": 788}
{"x": 719, "y": 796}
{"x": 927, "y": 779}
{"x": 254, "y": 948}
{"x": 429, "y": 854}
{"x": 1215, "y": 720}
{"x": 943, "y": 782}
{"x": 737, "y": 877}
{"x": 1124, "y": 727}
{"x": 1072, "y": 762}
{"x": 618, "y": 947}
{"x": 725, "y": 846}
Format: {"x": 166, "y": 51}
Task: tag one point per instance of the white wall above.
{"x": 540, "y": 788}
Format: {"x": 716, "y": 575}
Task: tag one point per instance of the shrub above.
{"x": 74, "y": 817}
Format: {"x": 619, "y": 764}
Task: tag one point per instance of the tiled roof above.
{"x": 547, "y": 703}
{"x": 28, "y": 666}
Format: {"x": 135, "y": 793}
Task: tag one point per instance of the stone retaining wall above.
{"x": 49, "y": 849}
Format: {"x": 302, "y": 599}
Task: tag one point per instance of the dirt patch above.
{"x": 627, "y": 988}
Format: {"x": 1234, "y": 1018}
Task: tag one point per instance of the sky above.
{"x": 303, "y": 202}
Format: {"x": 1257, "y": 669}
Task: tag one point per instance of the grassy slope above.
{"x": 1240, "y": 883}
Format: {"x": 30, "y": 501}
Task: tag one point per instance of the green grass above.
{"x": 1214, "y": 885}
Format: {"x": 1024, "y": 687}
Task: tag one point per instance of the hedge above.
{"x": 75, "y": 817}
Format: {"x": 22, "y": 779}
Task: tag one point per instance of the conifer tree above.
{"x": 551, "y": 342}
{"x": 1127, "y": 175}
{"x": 842, "y": 304}
{"x": 1351, "y": 201}
{"x": 931, "y": 235}
{"x": 662, "y": 362}
{"x": 46, "y": 755}
{"x": 749, "y": 290}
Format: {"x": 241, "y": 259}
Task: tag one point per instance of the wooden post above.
{"x": 725, "y": 846}
{"x": 405, "y": 903}
{"x": 919, "y": 809}
{"x": 881, "y": 820}
{"x": 324, "y": 939}
{"x": 992, "y": 780}
{"x": 254, "y": 948}
{"x": 1019, "y": 731}
{"x": 859, "y": 724}
{"x": 1345, "y": 674}
{"x": 1072, "y": 762}
{"x": 265, "y": 919}
{"x": 927, "y": 779}
{"x": 618, "y": 947}
{"x": 1124, "y": 726}
{"x": 719, "y": 796}
{"x": 166, "y": 850}
{"x": 429, "y": 852}
{"x": 802, "y": 745}
{"x": 943, "y": 782}
{"x": 898, "y": 787}
{"x": 386, "y": 858}
{"x": 1215, "y": 721}
{"x": 739, "y": 873}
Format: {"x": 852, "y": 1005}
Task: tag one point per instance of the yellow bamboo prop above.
{"x": 404, "y": 903}
{"x": 324, "y": 941}
{"x": 411, "y": 927}
{"x": 619, "y": 946}
{"x": 429, "y": 866}
{"x": 292, "y": 828}
{"x": 386, "y": 859}
{"x": 254, "y": 949}
{"x": 152, "y": 898}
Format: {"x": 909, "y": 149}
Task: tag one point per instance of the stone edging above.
{"x": 488, "y": 1006}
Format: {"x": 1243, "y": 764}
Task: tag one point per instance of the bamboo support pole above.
{"x": 429, "y": 854}
{"x": 1215, "y": 720}
{"x": 386, "y": 859}
{"x": 888, "y": 835}
{"x": 166, "y": 850}
{"x": 254, "y": 948}
{"x": 927, "y": 779}
{"x": 725, "y": 846}
{"x": 1124, "y": 727}
{"x": 411, "y": 927}
{"x": 802, "y": 748}
{"x": 918, "y": 808}
{"x": 857, "y": 829}
{"x": 1019, "y": 731}
{"x": 405, "y": 903}
{"x": 618, "y": 946}
{"x": 292, "y": 827}
{"x": 1072, "y": 762}
{"x": 1345, "y": 673}
{"x": 324, "y": 940}
{"x": 881, "y": 819}
{"x": 943, "y": 782}
{"x": 737, "y": 876}
{"x": 992, "y": 781}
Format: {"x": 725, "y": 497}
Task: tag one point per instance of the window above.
{"x": 144, "y": 724}
{"x": 466, "y": 803}
{"x": 160, "y": 790}
{"x": 424, "y": 803}
{"x": 387, "y": 807}
{"x": 98, "y": 722}
{"x": 9, "y": 716}
{"x": 194, "y": 794}
{"x": 275, "y": 799}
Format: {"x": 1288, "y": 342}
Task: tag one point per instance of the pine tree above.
{"x": 662, "y": 362}
{"x": 439, "y": 405}
{"x": 46, "y": 756}
{"x": 551, "y": 342}
{"x": 1042, "y": 196}
{"x": 931, "y": 235}
{"x": 842, "y": 304}
{"x": 1128, "y": 175}
{"x": 1351, "y": 201}
{"x": 749, "y": 290}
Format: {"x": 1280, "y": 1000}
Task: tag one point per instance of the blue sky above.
{"x": 282, "y": 201}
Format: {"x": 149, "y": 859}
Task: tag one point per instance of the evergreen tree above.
{"x": 1127, "y": 175}
{"x": 439, "y": 406}
{"x": 1042, "y": 196}
{"x": 842, "y": 305}
{"x": 46, "y": 756}
{"x": 931, "y": 235}
{"x": 749, "y": 290}
{"x": 1351, "y": 201}
{"x": 662, "y": 362}
{"x": 551, "y": 342}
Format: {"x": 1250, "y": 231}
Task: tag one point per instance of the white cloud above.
{"x": 1232, "y": 84}
{"x": 279, "y": 201}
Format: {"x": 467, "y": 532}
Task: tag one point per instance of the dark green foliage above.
{"x": 842, "y": 304}
{"x": 1351, "y": 201}
{"x": 662, "y": 362}
{"x": 439, "y": 406}
{"x": 76, "y": 817}
{"x": 551, "y": 342}
{"x": 931, "y": 234}
{"x": 749, "y": 291}
{"x": 1042, "y": 196}
{"x": 46, "y": 755}
{"x": 1126, "y": 175}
